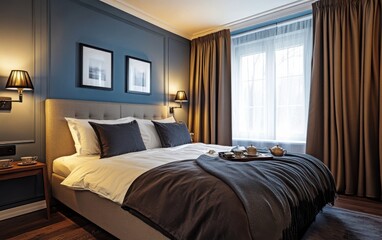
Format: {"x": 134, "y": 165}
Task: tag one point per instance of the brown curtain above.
{"x": 209, "y": 115}
{"x": 345, "y": 116}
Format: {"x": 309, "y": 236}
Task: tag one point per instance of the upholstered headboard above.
{"x": 58, "y": 139}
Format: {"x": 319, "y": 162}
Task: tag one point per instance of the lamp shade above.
{"x": 181, "y": 96}
{"x": 19, "y": 79}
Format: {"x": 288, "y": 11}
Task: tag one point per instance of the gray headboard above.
{"x": 58, "y": 139}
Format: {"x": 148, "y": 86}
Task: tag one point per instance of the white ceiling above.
{"x": 194, "y": 18}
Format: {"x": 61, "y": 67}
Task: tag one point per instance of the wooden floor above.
{"x": 359, "y": 204}
{"x": 66, "y": 224}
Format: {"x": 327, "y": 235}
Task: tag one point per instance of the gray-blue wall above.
{"x": 45, "y": 39}
{"x": 97, "y": 24}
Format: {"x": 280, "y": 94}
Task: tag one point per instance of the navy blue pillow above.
{"x": 172, "y": 134}
{"x": 118, "y": 139}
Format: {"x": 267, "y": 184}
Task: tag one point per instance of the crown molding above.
{"x": 282, "y": 11}
{"x": 272, "y": 14}
{"x": 122, "y": 5}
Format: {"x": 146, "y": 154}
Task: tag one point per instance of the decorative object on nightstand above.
{"x": 180, "y": 98}
{"x": 18, "y": 80}
{"x": 17, "y": 171}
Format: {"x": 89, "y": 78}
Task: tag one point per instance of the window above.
{"x": 270, "y": 85}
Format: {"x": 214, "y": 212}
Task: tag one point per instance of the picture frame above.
{"x": 96, "y": 67}
{"x": 138, "y": 75}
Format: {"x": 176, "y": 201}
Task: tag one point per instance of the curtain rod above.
{"x": 274, "y": 25}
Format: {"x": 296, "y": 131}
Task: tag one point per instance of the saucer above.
{"x": 251, "y": 155}
{"x": 26, "y": 163}
{"x": 6, "y": 167}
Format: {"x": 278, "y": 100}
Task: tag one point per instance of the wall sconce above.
{"x": 18, "y": 80}
{"x": 180, "y": 97}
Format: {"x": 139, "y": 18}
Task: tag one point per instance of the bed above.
{"x": 59, "y": 145}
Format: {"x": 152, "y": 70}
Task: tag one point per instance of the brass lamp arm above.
{"x": 20, "y": 91}
{"x": 172, "y": 108}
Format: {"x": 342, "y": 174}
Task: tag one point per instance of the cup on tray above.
{"x": 238, "y": 153}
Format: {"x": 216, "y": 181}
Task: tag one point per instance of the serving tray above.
{"x": 245, "y": 157}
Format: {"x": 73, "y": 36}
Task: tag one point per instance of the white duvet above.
{"x": 111, "y": 177}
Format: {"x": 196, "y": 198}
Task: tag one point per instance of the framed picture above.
{"x": 96, "y": 67}
{"x": 138, "y": 75}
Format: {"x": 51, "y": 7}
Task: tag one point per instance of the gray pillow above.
{"x": 172, "y": 134}
{"x": 118, "y": 139}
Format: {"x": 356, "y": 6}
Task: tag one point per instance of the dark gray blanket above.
{"x": 212, "y": 198}
{"x": 285, "y": 193}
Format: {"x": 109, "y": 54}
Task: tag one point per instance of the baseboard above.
{"x": 23, "y": 209}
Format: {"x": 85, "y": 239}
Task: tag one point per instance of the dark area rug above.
{"x": 336, "y": 223}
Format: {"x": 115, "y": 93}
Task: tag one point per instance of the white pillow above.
{"x": 84, "y": 137}
{"x": 149, "y": 133}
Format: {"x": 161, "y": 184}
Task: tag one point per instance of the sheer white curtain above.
{"x": 270, "y": 85}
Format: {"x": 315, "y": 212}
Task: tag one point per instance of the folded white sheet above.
{"x": 111, "y": 177}
{"x": 63, "y": 166}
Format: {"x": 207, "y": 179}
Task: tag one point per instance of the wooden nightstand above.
{"x": 29, "y": 170}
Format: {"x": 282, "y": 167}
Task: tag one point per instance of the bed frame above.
{"x": 103, "y": 212}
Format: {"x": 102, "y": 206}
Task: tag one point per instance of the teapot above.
{"x": 252, "y": 150}
{"x": 277, "y": 151}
